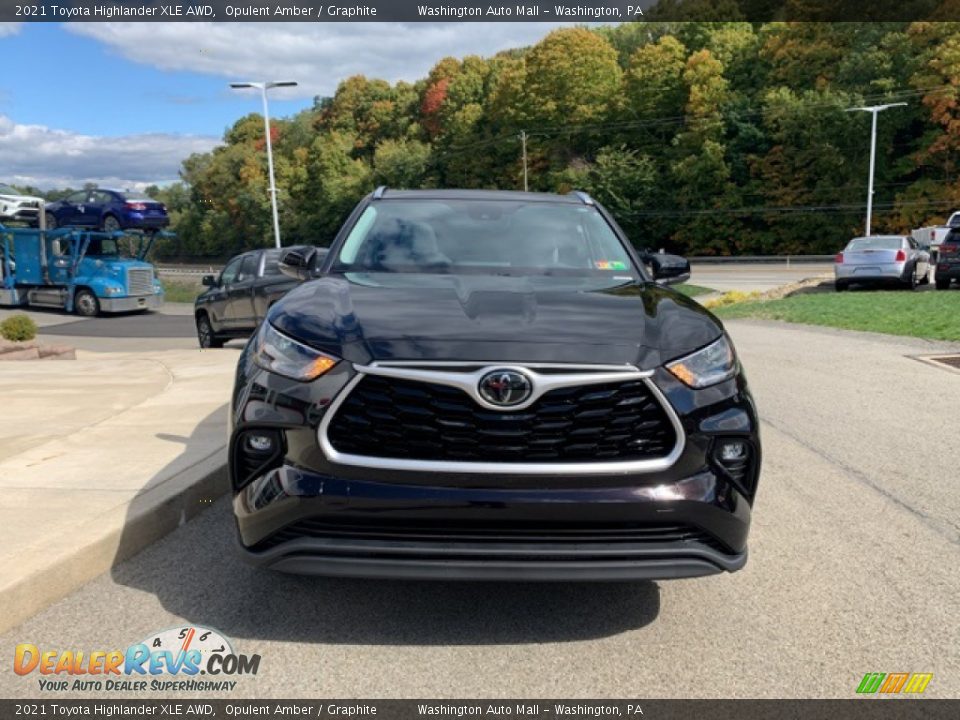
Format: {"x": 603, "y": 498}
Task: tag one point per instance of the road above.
{"x": 853, "y": 569}
{"x": 169, "y": 328}
{"x": 747, "y": 277}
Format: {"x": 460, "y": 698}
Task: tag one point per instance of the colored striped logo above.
{"x": 894, "y": 683}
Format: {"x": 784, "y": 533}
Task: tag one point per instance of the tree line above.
{"x": 705, "y": 138}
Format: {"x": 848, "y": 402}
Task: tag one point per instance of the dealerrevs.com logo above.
{"x": 168, "y": 661}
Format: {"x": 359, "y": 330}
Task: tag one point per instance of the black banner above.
{"x": 856, "y": 709}
{"x": 578, "y": 11}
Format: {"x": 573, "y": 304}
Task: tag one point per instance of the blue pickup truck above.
{"x": 77, "y": 270}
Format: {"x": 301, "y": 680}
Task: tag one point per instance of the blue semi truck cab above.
{"x": 77, "y": 270}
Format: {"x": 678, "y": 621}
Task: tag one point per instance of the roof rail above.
{"x": 378, "y": 193}
{"x": 584, "y": 197}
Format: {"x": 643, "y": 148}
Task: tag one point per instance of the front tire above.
{"x": 110, "y": 224}
{"x": 51, "y": 221}
{"x": 943, "y": 284}
{"x": 85, "y": 304}
{"x": 205, "y": 335}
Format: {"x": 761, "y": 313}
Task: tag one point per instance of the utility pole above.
{"x": 263, "y": 87}
{"x": 874, "y": 110}
{"x": 523, "y": 139}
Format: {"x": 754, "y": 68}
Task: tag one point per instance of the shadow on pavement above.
{"x": 197, "y": 574}
{"x": 129, "y": 325}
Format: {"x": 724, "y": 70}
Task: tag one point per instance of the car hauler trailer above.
{"x": 77, "y": 270}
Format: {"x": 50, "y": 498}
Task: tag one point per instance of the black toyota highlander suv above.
{"x": 491, "y": 385}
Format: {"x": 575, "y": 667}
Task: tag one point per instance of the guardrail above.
{"x": 759, "y": 259}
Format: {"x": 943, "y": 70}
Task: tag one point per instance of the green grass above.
{"x": 932, "y": 314}
{"x": 180, "y": 291}
{"x": 692, "y": 290}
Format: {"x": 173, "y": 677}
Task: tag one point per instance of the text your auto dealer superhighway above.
{"x": 304, "y": 12}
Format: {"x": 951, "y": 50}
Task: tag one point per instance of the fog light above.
{"x": 260, "y": 443}
{"x": 731, "y": 451}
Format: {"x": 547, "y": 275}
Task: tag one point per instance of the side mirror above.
{"x": 209, "y": 281}
{"x": 669, "y": 269}
{"x": 297, "y": 264}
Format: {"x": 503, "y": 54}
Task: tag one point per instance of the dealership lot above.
{"x": 853, "y": 569}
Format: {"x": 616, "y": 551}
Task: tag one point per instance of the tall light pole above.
{"x": 874, "y": 110}
{"x": 263, "y": 87}
{"x": 523, "y": 139}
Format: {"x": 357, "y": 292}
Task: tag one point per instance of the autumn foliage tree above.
{"x": 702, "y": 137}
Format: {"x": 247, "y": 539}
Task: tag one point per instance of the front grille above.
{"x": 553, "y": 535}
{"x": 407, "y": 419}
{"x": 140, "y": 281}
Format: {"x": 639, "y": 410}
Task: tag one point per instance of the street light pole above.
{"x": 263, "y": 87}
{"x": 874, "y": 110}
{"x": 523, "y": 139}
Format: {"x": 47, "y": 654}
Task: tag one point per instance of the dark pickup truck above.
{"x": 948, "y": 264}
{"x": 238, "y": 299}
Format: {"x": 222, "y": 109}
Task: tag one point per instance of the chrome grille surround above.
{"x": 466, "y": 376}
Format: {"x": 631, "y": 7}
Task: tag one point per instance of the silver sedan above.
{"x": 882, "y": 259}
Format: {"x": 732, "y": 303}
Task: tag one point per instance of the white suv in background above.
{"x": 14, "y": 205}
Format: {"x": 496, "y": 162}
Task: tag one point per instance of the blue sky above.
{"x": 124, "y": 103}
{"x": 89, "y": 87}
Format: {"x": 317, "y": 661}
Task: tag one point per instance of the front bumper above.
{"x": 297, "y": 521}
{"x": 129, "y": 304}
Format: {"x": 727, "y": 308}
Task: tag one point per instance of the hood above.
{"x": 497, "y": 319}
{"x": 19, "y": 198}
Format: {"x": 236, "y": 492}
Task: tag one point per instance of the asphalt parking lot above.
{"x": 854, "y": 551}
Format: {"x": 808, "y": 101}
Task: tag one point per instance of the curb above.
{"x": 113, "y": 537}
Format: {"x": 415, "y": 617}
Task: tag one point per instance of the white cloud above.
{"x": 46, "y": 157}
{"x": 9, "y": 28}
{"x": 317, "y": 55}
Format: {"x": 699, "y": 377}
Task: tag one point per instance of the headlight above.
{"x": 278, "y": 353}
{"x": 113, "y": 290}
{"x": 708, "y": 366}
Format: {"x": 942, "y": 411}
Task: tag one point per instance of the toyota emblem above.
{"x": 505, "y": 387}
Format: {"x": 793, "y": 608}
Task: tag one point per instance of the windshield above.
{"x": 8, "y": 190}
{"x": 875, "y": 243}
{"x": 484, "y": 237}
{"x": 103, "y": 247}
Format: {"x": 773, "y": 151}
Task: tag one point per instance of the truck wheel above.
{"x": 110, "y": 224}
{"x": 205, "y": 334}
{"x": 840, "y": 285}
{"x": 943, "y": 284}
{"x": 51, "y": 221}
{"x": 85, "y": 303}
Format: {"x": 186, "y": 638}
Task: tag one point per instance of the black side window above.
{"x": 229, "y": 274}
{"x": 248, "y": 270}
{"x": 271, "y": 263}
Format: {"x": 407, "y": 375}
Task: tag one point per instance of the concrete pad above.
{"x": 52, "y": 402}
{"x": 107, "y": 456}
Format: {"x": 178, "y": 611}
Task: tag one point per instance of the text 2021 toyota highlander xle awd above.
{"x": 491, "y": 385}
